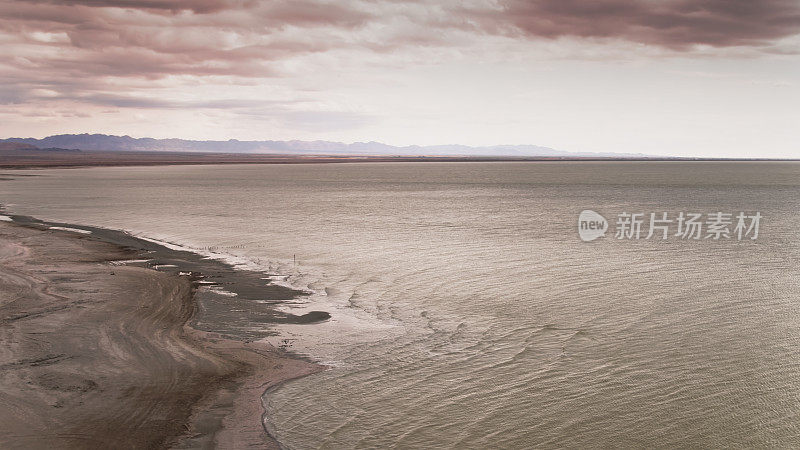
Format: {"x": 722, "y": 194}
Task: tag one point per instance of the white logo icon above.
{"x": 591, "y": 225}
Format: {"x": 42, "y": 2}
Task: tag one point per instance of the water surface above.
{"x": 467, "y": 312}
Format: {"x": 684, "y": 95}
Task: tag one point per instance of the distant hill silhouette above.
{"x": 126, "y": 143}
{"x": 5, "y": 145}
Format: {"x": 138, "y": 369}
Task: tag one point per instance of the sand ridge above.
{"x": 99, "y": 355}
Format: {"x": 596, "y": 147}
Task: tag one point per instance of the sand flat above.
{"x": 99, "y": 355}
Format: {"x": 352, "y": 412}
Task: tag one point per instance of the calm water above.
{"x": 467, "y": 312}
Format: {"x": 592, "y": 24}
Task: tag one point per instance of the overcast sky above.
{"x": 669, "y": 77}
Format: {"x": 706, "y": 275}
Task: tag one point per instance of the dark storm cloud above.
{"x": 150, "y": 39}
{"x": 676, "y": 24}
{"x": 201, "y": 6}
{"x": 46, "y": 45}
{"x": 281, "y": 12}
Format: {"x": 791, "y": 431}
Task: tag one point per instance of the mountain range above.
{"x": 103, "y": 142}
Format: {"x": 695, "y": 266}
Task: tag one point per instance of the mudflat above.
{"x": 101, "y": 355}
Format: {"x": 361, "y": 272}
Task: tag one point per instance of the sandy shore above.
{"x": 101, "y": 356}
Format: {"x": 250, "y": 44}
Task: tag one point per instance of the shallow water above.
{"x": 468, "y": 313}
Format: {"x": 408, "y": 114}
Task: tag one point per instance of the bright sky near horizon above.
{"x": 715, "y": 78}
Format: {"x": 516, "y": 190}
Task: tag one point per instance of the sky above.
{"x": 714, "y": 78}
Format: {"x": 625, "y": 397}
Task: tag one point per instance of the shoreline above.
{"x": 218, "y": 371}
{"x": 46, "y": 159}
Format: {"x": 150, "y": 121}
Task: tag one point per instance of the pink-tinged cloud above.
{"x": 158, "y": 54}
{"x": 676, "y": 24}
{"x": 200, "y": 6}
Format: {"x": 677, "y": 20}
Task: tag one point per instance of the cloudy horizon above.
{"x": 714, "y": 78}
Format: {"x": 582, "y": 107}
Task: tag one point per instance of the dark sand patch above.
{"x": 102, "y": 356}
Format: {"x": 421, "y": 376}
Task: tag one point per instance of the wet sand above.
{"x": 99, "y": 354}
